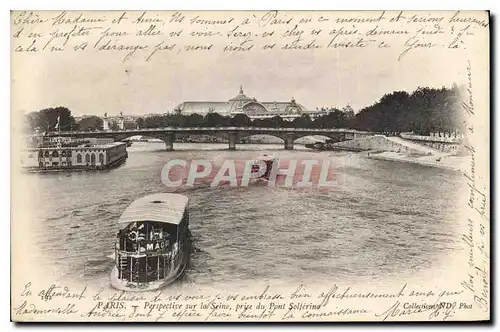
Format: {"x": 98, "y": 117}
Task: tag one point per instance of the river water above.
{"x": 383, "y": 219}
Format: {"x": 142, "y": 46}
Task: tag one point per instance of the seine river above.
{"x": 383, "y": 219}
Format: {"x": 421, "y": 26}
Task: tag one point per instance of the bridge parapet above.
{"x": 167, "y": 134}
{"x": 205, "y": 129}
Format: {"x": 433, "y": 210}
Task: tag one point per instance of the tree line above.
{"x": 332, "y": 118}
{"x": 60, "y": 119}
{"x": 423, "y": 111}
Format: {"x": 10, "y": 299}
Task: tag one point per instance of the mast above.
{"x": 58, "y": 139}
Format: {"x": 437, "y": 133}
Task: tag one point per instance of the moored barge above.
{"x": 85, "y": 157}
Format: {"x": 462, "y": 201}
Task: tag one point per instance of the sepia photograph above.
{"x": 250, "y": 166}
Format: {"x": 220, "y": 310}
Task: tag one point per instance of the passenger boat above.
{"x": 128, "y": 141}
{"x": 268, "y": 160}
{"x": 153, "y": 244}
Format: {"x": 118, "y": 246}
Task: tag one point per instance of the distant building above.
{"x": 253, "y": 108}
{"x": 122, "y": 122}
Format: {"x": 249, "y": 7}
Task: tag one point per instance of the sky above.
{"x": 100, "y": 82}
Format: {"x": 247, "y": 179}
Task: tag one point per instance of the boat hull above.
{"x": 124, "y": 285}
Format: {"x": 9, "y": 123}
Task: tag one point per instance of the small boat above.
{"x": 153, "y": 244}
{"x": 268, "y": 161}
{"x": 317, "y": 146}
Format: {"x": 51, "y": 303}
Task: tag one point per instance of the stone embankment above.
{"x": 401, "y": 150}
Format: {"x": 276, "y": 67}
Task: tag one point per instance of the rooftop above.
{"x": 162, "y": 207}
{"x": 240, "y": 96}
{"x": 103, "y": 146}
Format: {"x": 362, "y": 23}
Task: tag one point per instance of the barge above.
{"x": 87, "y": 157}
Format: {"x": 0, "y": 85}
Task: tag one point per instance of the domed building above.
{"x": 241, "y": 104}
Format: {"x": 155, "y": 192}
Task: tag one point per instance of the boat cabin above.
{"x": 152, "y": 238}
{"x": 268, "y": 160}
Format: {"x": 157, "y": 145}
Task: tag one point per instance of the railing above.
{"x": 163, "y": 252}
{"x": 143, "y": 277}
{"x": 126, "y": 272}
{"x": 224, "y": 129}
{"x": 437, "y": 139}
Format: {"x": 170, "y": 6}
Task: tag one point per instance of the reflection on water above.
{"x": 383, "y": 219}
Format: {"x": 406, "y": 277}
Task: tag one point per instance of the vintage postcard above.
{"x": 250, "y": 166}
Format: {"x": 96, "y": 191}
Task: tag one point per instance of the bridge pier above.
{"x": 232, "y": 140}
{"x": 169, "y": 141}
{"x": 289, "y": 142}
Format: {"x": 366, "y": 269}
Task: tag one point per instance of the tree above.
{"x": 174, "y": 120}
{"x": 91, "y": 123}
{"x": 333, "y": 119}
{"x": 193, "y": 120}
{"x": 113, "y": 125}
{"x": 276, "y": 121}
{"x": 140, "y": 122}
{"x": 304, "y": 121}
{"x": 241, "y": 120}
{"x": 129, "y": 125}
{"x": 33, "y": 122}
{"x": 51, "y": 119}
{"x": 348, "y": 112}
{"x": 259, "y": 123}
{"x": 213, "y": 120}
{"x": 156, "y": 121}
{"x": 423, "y": 111}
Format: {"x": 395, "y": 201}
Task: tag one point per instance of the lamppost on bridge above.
{"x": 105, "y": 122}
{"x": 121, "y": 121}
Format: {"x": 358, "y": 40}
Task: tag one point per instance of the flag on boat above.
{"x": 58, "y": 121}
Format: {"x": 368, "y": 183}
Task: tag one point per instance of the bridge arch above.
{"x": 277, "y": 138}
{"x": 125, "y": 136}
{"x": 334, "y": 136}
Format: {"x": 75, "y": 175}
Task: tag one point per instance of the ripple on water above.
{"x": 377, "y": 223}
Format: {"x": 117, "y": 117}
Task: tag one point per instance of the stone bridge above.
{"x": 234, "y": 134}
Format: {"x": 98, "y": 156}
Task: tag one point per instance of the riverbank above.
{"x": 393, "y": 148}
{"x": 440, "y": 160}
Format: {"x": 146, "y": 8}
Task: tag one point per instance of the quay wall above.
{"x": 447, "y": 144}
{"x": 383, "y": 143}
{"x": 441, "y": 146}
